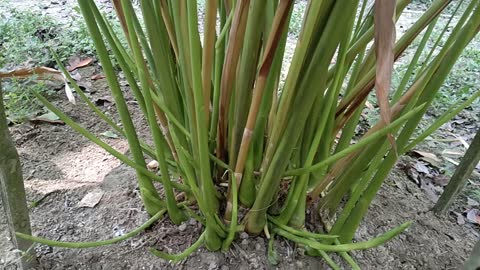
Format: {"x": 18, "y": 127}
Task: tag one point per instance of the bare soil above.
{"x": 60, "y": 167}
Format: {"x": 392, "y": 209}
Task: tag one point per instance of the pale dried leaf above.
{"x": 451, "y": 152}
{"x": 465, "y": 144}
{"x": 429, "y": 157}
{"x": 91, "y": 199}
{"x": 473, "y": 216}
{"x": 451, "y": 161}
{"x": 420, "y": 167}
{"x": 68, "y": 91}
{"x": 471, "y": 202}
{"x": 49, "y": 117}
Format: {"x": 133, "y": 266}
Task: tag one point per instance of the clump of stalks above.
{"x": 250, "y": 153}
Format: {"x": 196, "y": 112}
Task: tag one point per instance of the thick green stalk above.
{"x": 448, "y": 115}
{"x": 460, "y": 22}
{"x": 146, "y": 185}
{"x": 452, "y": 54}
{"x": 459, "y": 179}
{"x": 212, "y": 240}
{"x": 160, "y": 146}
{"x": 297, "y": 205}
{"x": 247, "y": 71}
{"x": 12, "y": 195}
{"x": 308, "y": 89}
{"x": 359, "y": 145}
{"x": 299, "y": 57}
{"x": 413, "y": 63}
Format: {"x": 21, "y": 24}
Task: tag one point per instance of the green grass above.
{"x": 20, "y": 103}
{"x": 25, "y": 41}
{"x": 28, "y": 37}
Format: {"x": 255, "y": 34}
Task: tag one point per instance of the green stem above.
{"x": 345, "y": 247}
{"x": 360, "y": 144}
{"x": 180, "y": 256}
{"x": 131, "y": 234}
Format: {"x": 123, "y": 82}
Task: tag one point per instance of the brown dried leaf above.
{"x": 41, "y": 72}
{"x": 97, "y": 77}
{"x": 384, "y": 19}
{"x": 78, "y": 63}
{"x": 44, "y": 73}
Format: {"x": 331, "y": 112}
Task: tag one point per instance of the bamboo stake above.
{"x": 13, "y": 193}
{"x": 460, "y": 177}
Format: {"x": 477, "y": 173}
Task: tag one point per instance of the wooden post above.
{"x": 13, "y": 191}
{"x": 460, "y": 177}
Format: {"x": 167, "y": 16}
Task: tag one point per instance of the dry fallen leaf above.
{"x": 49, "y": 117}
{"x": 41, "y": 72}
{"x": 450, "y": 152}
{"x": 420, "y": 167}
{"x": 97, "y": 77}
{"x": 428, "y": 157}
{"x": 451, "y": 161}
{"x": 78, "y": 63}
{"x": 471, "y": 202}
{"x": 68, "y": 91}
{"x": 473, "y": 216}
{"x": 465, "y": 144}
{"x": 44, "y": 73}
{"x": 91, "y": 199}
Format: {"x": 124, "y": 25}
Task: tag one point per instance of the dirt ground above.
{"x": 60, "y": 167}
